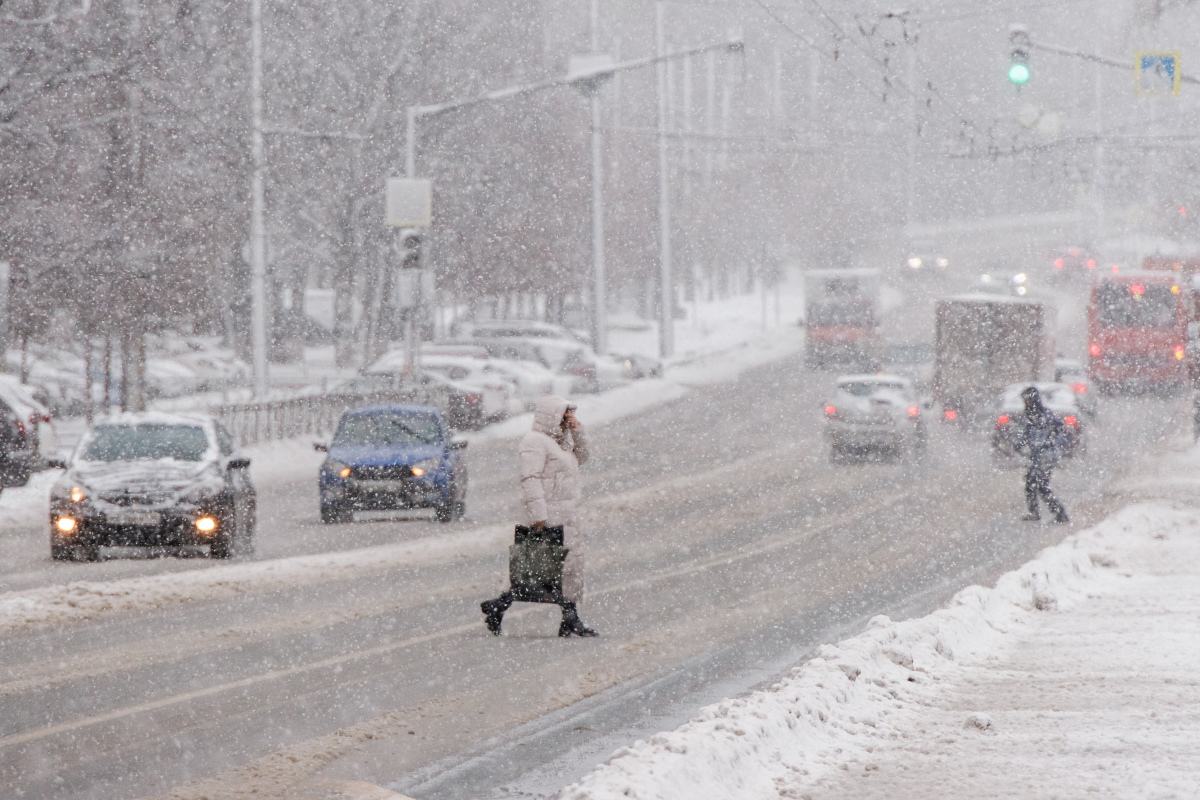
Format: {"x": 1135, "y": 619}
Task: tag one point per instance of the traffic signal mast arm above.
{"x": 1108, "y": 62}
{"x": 584, "y": 77}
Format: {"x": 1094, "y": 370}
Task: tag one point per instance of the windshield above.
{"x": 137, "y": 442}
{"x": 868, "y": 388}
{"x": 388, "y": 429}
{"x": 1121, "y": 305}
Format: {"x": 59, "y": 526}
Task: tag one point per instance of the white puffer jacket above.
{"x": 549, "y": 466}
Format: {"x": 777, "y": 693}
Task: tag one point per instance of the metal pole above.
{"x": 910, "y": 188}
{"x": 599, "y": 287}
{"x": 410, "y": 142}
{"x": 258, "y": 256}
{"x": 666, "y": 299}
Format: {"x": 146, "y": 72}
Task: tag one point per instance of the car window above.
{"x": 224, "y": 440}
{"x": 149, "y": 442}
{"x": 388, "y": 429}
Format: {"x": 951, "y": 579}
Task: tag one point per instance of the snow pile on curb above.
{"x": 832, "y": 711}
{"x": 89, "y": 599}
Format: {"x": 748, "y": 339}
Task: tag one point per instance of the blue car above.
{"x": 393, "y": 457}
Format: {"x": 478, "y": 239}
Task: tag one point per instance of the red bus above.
{"x": 1137, "y": 330}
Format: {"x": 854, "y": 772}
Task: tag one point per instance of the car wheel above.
{"x": 60, "y": 551}
{"x": 460, "y": 509}
{"x": 445, "y": 511}
{"x": 222, "y": 547}
{"x": 334, "y": 514}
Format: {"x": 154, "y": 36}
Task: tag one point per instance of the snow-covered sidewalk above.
{"x": 1075, "y": 676}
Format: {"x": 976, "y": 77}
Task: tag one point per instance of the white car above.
{"x": 33, "y": 413}
{"x": 1072, "y": 373}
{"x": 498, "y": 396}
{"x": 874, "y": 413}
{"x": 501, "y": 394}
{"x": 590, "y": 372}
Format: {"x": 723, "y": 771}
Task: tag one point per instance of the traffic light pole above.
{"x": 1092, "y": 57}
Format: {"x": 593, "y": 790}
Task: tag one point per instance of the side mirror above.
{"x": 320, "y": 447}
{"x": 458, "y": 444}
{"x": 240, "y": 462}
{"x": 56, "y": 463}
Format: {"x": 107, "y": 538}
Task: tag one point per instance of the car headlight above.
{"x": 69, "y": 491}
{"x": 337, "y": 468}
{"x": 428, "y": 465}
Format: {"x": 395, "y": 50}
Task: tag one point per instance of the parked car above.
{"x": 18, "y": 452}
{"x": 462, "y": 406}
{"x": 874, "y": 414}
{"x": 1074, "y": 374}
{"x": 522, "y": 354}
{"x": 1058, "y": 398}
{"x": 28, "y": 435}
{"x": 392, "y": 457}
{"x": 482, "y": 398}
{"x": 501, "y": 392}
{"x": 526, "y": 329}
{"x": 153, "y": 480}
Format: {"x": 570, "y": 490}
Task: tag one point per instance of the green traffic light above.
{"x": 1018, "y": 73}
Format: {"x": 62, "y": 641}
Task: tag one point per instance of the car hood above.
{"x": 162, "y": 476}
{"x": 384, "y": 455}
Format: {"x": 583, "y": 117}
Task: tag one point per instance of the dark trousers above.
{"x": 1037, "y": 482}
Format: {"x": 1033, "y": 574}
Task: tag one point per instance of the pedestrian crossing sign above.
{"x": 1157, "y": 73}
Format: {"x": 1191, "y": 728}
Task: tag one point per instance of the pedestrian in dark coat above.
{"x": 1041, "y": 437}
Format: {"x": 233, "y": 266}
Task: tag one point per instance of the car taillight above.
{"x": 1070, "y": 420}
{"x": 1002, "y": 419}
{"x": 831, "y": 411}
{"x": 20, "y": 427}
{"x": 1091, "y": 263}
{"x": 950, "y": 413}
{"x": 1094, "y": 349}
{"x": 1058, "y": 263}
{"x": 914, "y": 411}
{"x": 1079, "y": 388}
{"x": 1179, "y": 352}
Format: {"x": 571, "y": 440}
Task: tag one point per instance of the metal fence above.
{"x": 311, "y": 415}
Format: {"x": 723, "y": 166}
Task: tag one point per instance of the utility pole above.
{"x": 911, "y": 182}
{"x": 258, "y": 255}
{"x": 666, "y": 289}
{"x": 599, "y": 280}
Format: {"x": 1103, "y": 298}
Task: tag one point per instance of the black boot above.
{"x": 493, "y": 611}
{"x": 572, "y": 625}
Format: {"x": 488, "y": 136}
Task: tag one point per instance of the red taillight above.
{"x": 1002, "y": 419}
{"x": 950, "y": 413}
{"x": 1179, "y": 352}
{"x": 1070, "y": 420}
{"x": 1094, "y": 349}
{"x": 914, "y": 411}
{"x": 20, "y": 427}
{"x": 1058, "y": 262}
{"x": 831, "y": 411}
{"x": 1091, "y": 263}
{"x": 1137, "y": 288}
{"x": 1079, "y": 388}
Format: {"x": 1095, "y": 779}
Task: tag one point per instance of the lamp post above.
{"x": 588, "y": 74}
{"x": 258, "y": 254}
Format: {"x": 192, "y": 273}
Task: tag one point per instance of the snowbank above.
{"x": 89, "y": 599}
{"x": 837, "y": 708}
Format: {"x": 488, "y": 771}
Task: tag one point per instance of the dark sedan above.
{"x": 153, "y": 480}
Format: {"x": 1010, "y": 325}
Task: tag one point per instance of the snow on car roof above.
{"x": 155, "y": 418}
{"x": 883, "y": 378}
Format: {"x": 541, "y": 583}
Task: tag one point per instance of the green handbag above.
{"x": 535, "y": 564}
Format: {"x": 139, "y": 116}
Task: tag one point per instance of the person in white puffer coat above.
{"x": 549, "y": 459}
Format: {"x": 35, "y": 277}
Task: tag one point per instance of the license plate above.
{"x": 145, "y": 518}
{"x": 384, "y": 486}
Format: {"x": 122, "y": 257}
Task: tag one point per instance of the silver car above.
{"x": 874, "y": 414}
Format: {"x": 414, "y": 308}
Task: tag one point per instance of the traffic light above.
{"x": 1018, "y": 67}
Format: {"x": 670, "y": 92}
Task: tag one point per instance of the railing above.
{"x": 309, "y": 415}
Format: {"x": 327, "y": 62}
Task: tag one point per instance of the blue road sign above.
{"x": 1157, "y": 73}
